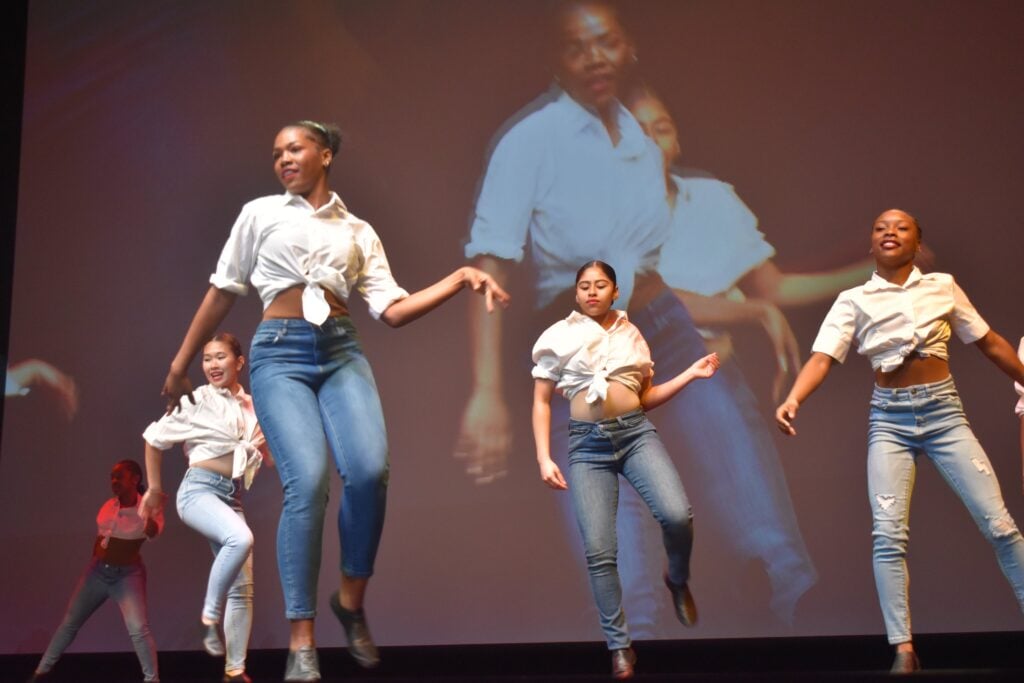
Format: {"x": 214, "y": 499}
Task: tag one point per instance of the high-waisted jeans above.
{"x": 316, "y": 399}
{"x": 928, "y": 419}
{"x": 598, "y": 453}
{"x": 211, "y": 504}
{"x": 127, "y": 586}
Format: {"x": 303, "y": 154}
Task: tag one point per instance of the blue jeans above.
{"x": 211, "y": 504}
{"x": 598, "y": 453}
{"x": 716, "y": 427}
{"x": 928, "y": 419}
{"x": 315, "y": 399}
{"x": 127, "y": 586}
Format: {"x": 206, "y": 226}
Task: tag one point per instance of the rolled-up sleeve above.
{"x": 836, "y": 333}
{"x": 965, "y": 320}
{"x": 238, "y": 257}
{"x": 375, "y": 284}
{"x": 173, "y": 428}
{"x": 507, "y": 199}
{"x": 548, "y": 360}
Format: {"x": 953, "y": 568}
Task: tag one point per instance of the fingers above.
{"x": 784, "y": 417}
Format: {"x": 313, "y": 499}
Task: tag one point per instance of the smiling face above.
{"x": 593, "y": 54}
{"x": 300, "y": 161}
{"x": 654, "y": 118}
{"x": 221, "y": 365}
{"x": 895, "y": 239}
{"x": 595, "y": 293}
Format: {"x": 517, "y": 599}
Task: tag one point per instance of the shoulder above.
{"x": 942, "y": 279}
{"x": 262, "y": 205}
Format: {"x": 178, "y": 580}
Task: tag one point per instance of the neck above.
{"x": 318, "y": 196}
{"x": 606, "y": 320}
{"x": 895, "y": 274}
{"x": 128, "y": 499}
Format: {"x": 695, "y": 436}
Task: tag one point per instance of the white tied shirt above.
{"x": 281, "y": 241}
{"x": 890, "y": 321}
{"x": 115, "y": 521}
{"x": 217, "y": 424}
{"x": 577, "y": 353}
{"x": 556, "y": 178}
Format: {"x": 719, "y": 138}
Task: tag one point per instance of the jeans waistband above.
{"x": 206, "y": 476}
{"x": 624, "y": 421}
{"x": 285, "y": 325}
{"x": 914, "y": 390}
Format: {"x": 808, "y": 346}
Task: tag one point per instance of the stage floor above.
{"x": 946, "y": 657}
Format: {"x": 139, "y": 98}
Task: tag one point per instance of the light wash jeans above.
{"x": 315, "y": 398}
{"x": 928, "y": 419}
{"x": 598, "y": 453}
{"x": 211, "y": 504}
{"x": 716, "y": 427}
{"x": 127, "y": 586}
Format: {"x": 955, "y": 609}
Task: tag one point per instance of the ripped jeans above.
{"x": 928, "y": 419}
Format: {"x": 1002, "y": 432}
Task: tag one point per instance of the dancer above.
{"x": 574, "y": 179}
{"x": 225, "y": 448}
{"x": 902, "y": 321}
{"x": 313, "y": 390}
{"x": 602, "y": 365}
{"x": 115, "y": 571}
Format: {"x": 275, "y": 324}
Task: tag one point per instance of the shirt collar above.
{"x": 877, "y": 283}
{"x": 579, "y": 118}
{"x": 333, "y": 203}
{"x": 241, "y": 396}
{"x": 579, "y": 319}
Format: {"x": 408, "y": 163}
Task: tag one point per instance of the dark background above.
{"x": 146, "y": 126}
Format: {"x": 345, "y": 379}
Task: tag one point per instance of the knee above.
{"x": 1000, "y": 529}
{"x": 241, "y": 540}
{"x": 371, "y": 475}
{"x": 677, "y": 521}
{"x": 890, "y": 538}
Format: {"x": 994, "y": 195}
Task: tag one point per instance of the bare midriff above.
{"x": 914, "y": 370}
{"x": 619, "y": 401}
{"x": 288, "y": 304}
{"x": 119, "y": 551}
{"x": 222, "y": 465}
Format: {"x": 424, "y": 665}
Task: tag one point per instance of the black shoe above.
{"x": 212, "y": 642}
{"x": 623, "y": 662}
{"x": 237, "y": 678}
{"x": 303, "y": 665}
{"x": 360, "y": 644}
{"x": 905, "y": 663}
{"x": 682, "y": 601}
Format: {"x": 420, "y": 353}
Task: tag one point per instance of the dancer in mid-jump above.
{"x": 313, "y": 390}
{"x": 902, "y": 320}
{"x": 225, "y": 448}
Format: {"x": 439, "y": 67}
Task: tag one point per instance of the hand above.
{"x": 785, "y": 415}
{"x": 552, "y": 476}
{"x": 175, "y": 386}
{"x": 485, "y": 437}
{"x": 152, "y": 504}
{"x": 481, "y": 282}
{"x": 705, "y": 367}
{"x": 784, "y": 344}
{"x": 38, "y": 374}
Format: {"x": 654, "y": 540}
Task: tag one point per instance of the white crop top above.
{"x": 577, "y": 353}
{"x": 281, "y": 241}
{"x": 890, "y": 321}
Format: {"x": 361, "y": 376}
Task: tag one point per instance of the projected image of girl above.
{"x": 602, "y": 365}
{"x": 225, "y": 448}
{"x": 902, "y": 321}
{"x": 578, "y": 178}
{"x": 116, "y": 571}
{"x": 313, "y": 390}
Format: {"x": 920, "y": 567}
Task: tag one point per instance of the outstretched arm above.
{"x": 418, "y": 304}
{"x": 485, "y": 434}
{"x": 812, "y": 374}
{"x": 543, "y": 390}
{"x": 212, "y": 311}
{"x": 999, "y": 351}
{"x": 652, "y": 396}
{"x": 767, "y": 281}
